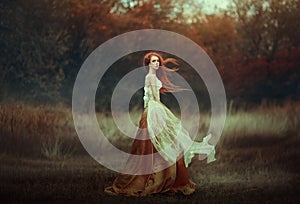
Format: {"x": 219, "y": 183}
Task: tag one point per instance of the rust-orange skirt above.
{"x": 173, "y": 179}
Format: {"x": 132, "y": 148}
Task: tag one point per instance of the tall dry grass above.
{"x": 49, "y": 130}
{"x": 262, "y": 125}
{"x": 35, "y": 131}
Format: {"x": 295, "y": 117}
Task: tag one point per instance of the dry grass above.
{"x": 42, "y": 158}
{"x": 48, "y": 124}
{"x": 36, "y": 131}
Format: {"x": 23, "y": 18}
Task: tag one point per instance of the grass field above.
{"x": 42, "y": 160}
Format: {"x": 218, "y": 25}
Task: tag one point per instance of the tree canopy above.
{"x": 254, "y": 43}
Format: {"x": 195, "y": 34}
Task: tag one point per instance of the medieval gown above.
{"x": 160, "y": 131}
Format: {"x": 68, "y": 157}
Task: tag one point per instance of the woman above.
{"x": 160, "y": 132}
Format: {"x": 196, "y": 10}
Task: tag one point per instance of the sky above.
{"x": 209, "y": 5}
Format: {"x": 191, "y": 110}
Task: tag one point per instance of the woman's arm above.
{"x": 155, "y": 93}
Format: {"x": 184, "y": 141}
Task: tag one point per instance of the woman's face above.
{"x": 154, "y": 62}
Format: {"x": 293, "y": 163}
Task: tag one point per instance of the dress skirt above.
{"x": 172, "y": 179}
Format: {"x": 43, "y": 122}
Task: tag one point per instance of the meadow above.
{"x": 43, "y": 161}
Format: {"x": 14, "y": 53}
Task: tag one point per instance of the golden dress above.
{"x": 160, "y": 131}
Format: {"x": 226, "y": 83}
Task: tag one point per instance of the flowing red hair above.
{"x": 163, "y": 71}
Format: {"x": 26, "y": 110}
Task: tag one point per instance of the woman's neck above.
{"x": 152, "y": 71}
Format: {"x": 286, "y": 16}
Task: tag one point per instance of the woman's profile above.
{"x": 160, "y": 129}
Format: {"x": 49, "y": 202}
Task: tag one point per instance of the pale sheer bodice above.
{"x": 150, "y": 80}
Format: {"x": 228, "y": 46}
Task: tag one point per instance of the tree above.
{"x": 35, "y": 44}
{"x": 268, "y": 44}
{"x": 265, "y": 26}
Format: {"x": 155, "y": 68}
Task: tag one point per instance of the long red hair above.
{"x": 163, "y": 71}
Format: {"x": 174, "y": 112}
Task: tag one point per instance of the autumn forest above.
{"x": 253, "y": 43}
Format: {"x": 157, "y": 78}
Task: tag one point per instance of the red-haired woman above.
{"x": 160, "y": 134}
